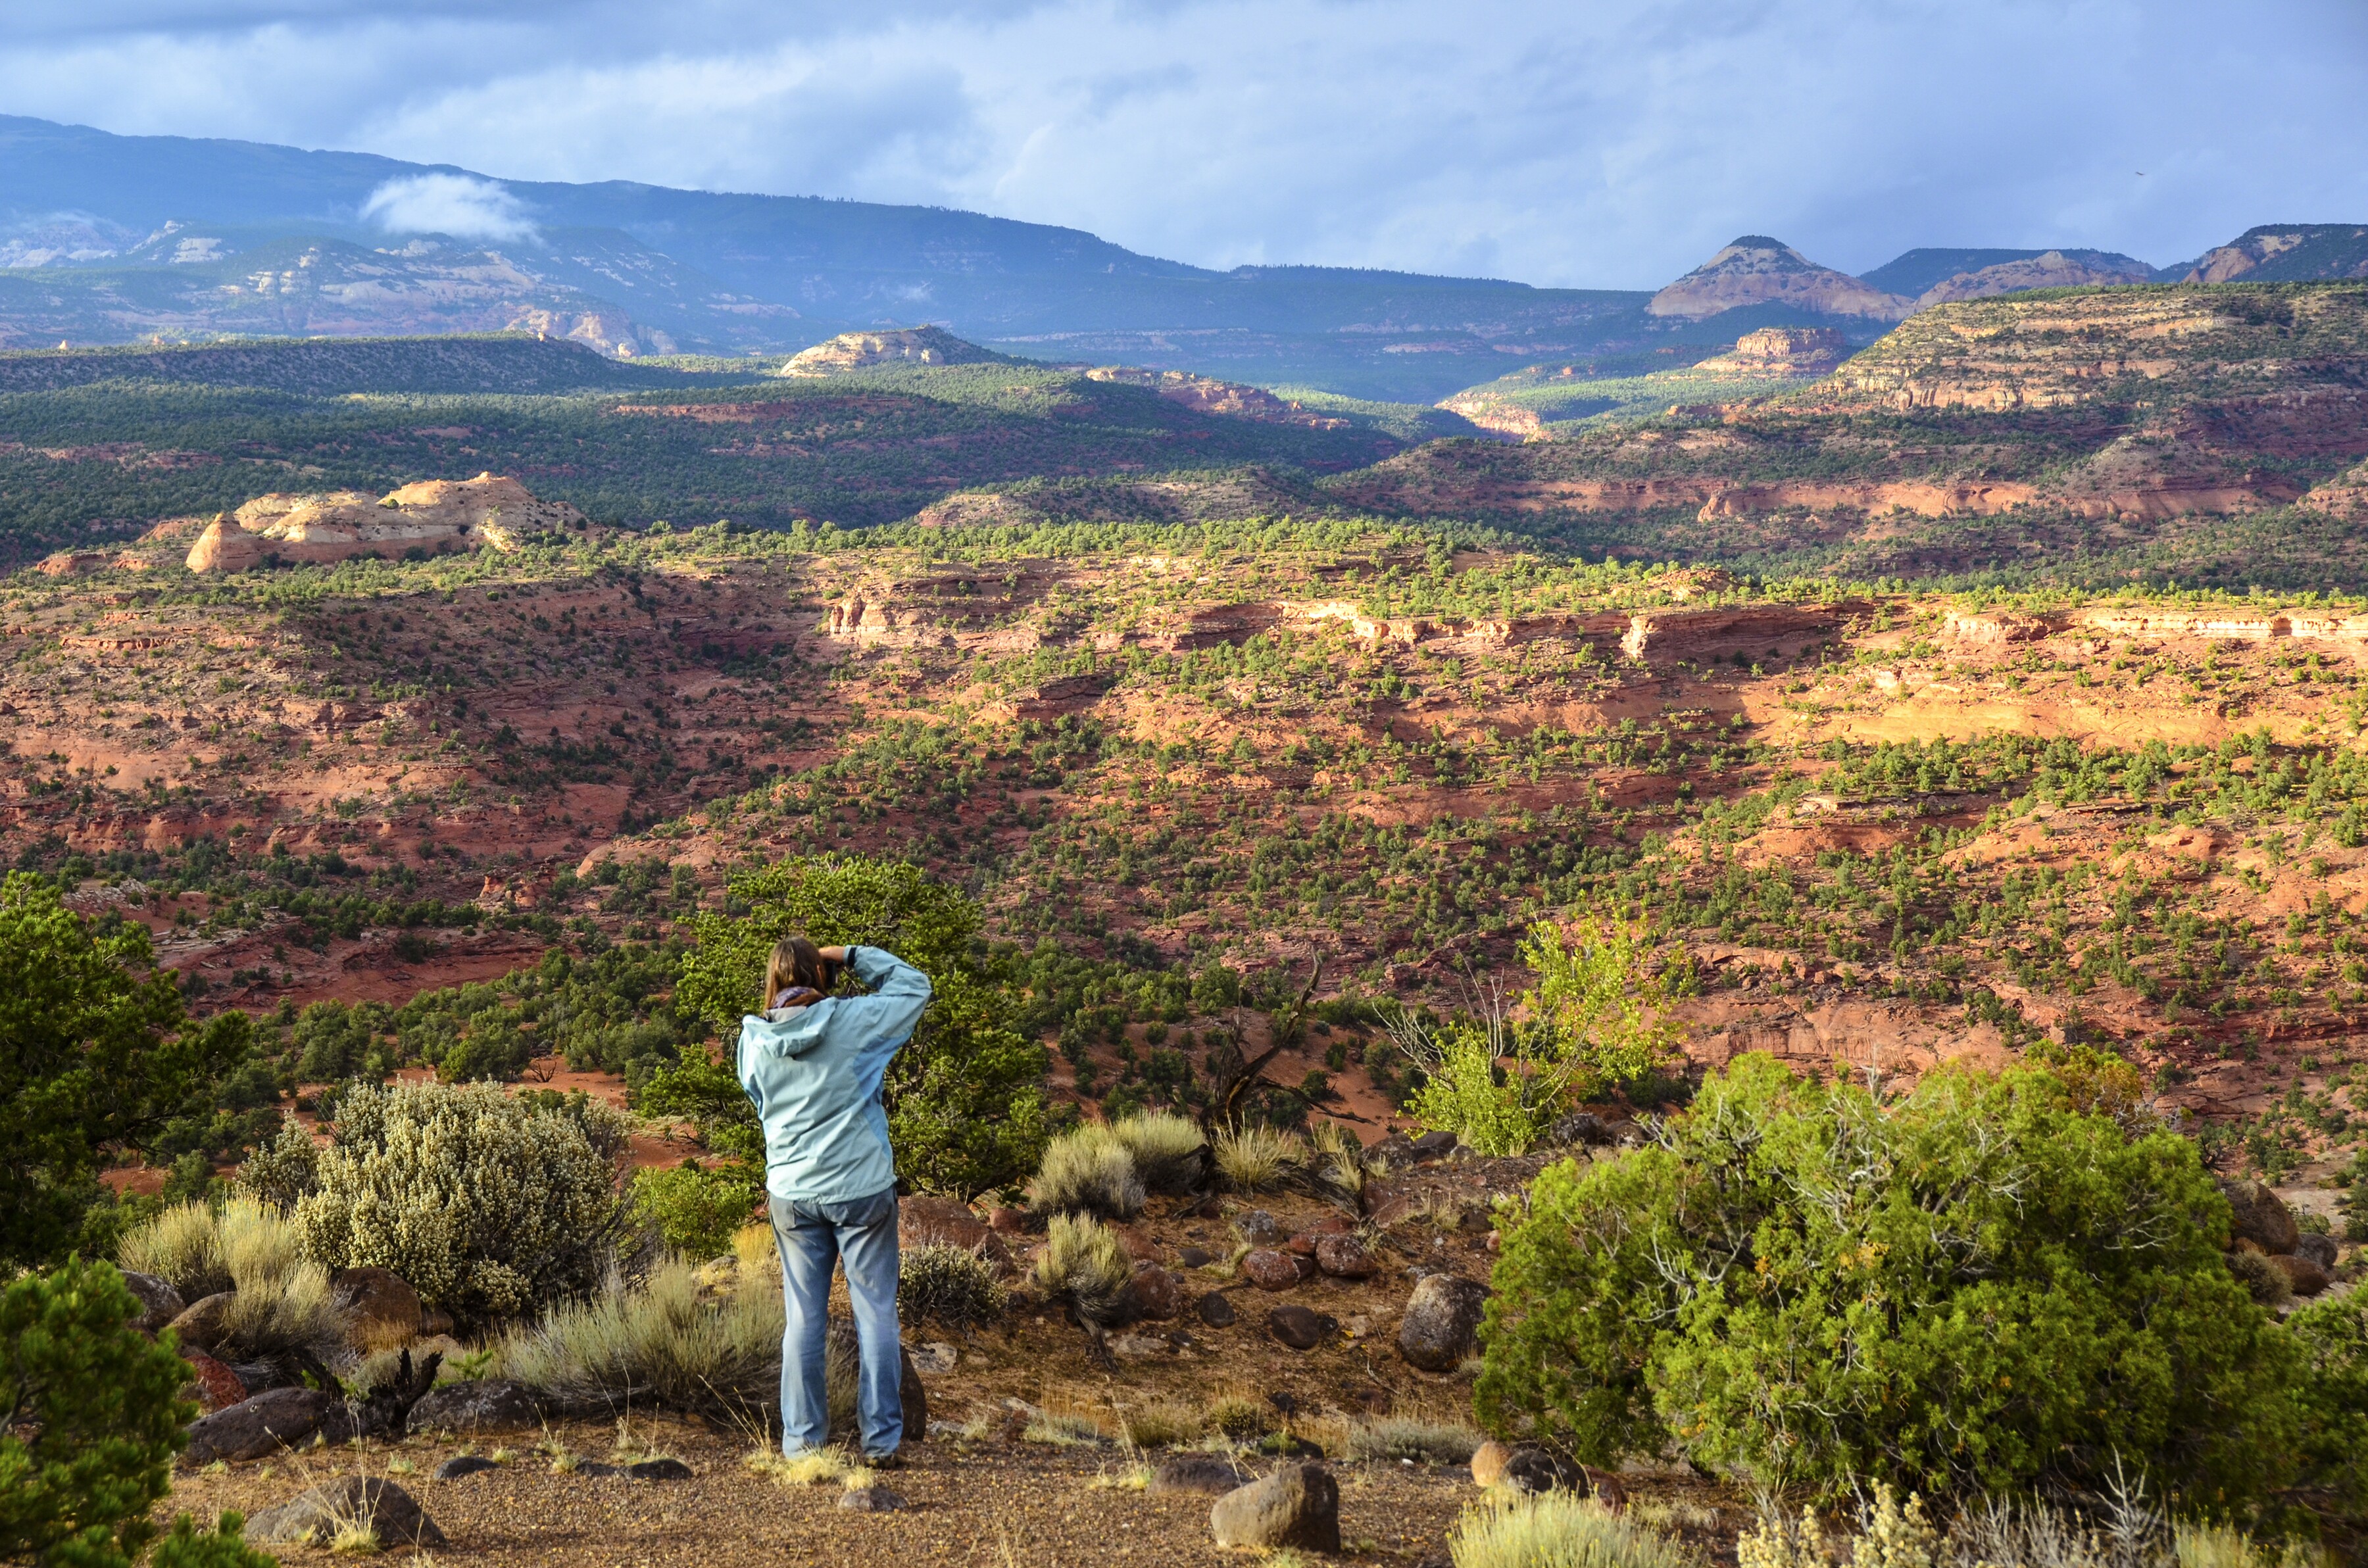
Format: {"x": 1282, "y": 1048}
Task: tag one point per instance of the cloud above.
{"x": 458, "y": 205}
{"x": 1590, "y": 142}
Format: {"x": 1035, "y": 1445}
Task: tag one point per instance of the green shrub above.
{"x": 665, "y": 1344}
{"x": 965, "y": 1099}
{"x": 1169, "y": 1150}
{"x": 695, "y": 1209}
{"x": 97, "y": 1058}
{"x": 488, "y": 1205}
{"x": 938, "y": 1282}
{"x": 1981, "y": 1285}
{"x": 94, "y": 1418}
{"x": 1084, "y": 1262}
{"x": 1087, "y": 1170}
{"x": 1558, "y": 1529}
{"x": 281, "y": 1172}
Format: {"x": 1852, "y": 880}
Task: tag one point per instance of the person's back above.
{"x": 813, "y": 1065}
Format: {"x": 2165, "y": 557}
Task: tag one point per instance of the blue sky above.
{"x": 1612, "y": 143}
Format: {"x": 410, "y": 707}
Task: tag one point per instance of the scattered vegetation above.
{"x": 1085, "y": 1265}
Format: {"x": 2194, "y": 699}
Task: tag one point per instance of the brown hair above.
{"x": 797, "y": 962}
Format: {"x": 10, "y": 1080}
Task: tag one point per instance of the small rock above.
{"x": 202, "y": 1321}
{"x": 1271, "y": 1270}
{"x": 1301, "y": 1245}
{"x": 935, "y": 1358}
{"x": 1259, "y": 1228}
{"x": 159, "y": 1303}
{"x": 313, "y": 1517}
{"x": 272, "y": 1420}
{"x": 1331, "y": 1225}
{"x": 871, "y": 1500}
{"x": 466, "y": 1464}
{"x": 1216, "y": 1311}
{"x": 1212, "y": 1474}
{"x": 1345, "y": 1257}
{"x": 1298, "y": 1505}
{"x": 1441, "y": 1322}
{"x": 1297, "y": 1326}
{"x": 1488, "y": 1461}
{"x": 1139, "y": 1246}
{"x": 1155, "y": 1293}
{"x": 218, "y": 1387}
{"x": 923, "y": 1220}
{"x": 380, "y": 1305}
{"x": 2305, "y": 1274}
{"x": 2261, "y": 1216}
{"x": 2317, "y": 1246}
{"x": 1434, "y": 1145}
{"x": 1581, "y": 1127}
{"x": 479, "y": 1409}
{"x": 1136, "y": 1345}
{"x": 647, "y": 1469}
{"x": 1534, "y": 1470}
{"x": 1193, "y": 1257}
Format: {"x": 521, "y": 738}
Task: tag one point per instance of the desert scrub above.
{"x": 1403, "y": 1438}
{"x": 281, "y": 1304}
{"x": 1339, "y": 1157}
{"x": 1168, "y": 1150}
{"x": 486, "y": 1204}
{"x": 664, "y": 1345}
{"x": 694, "y": 1208}
{"x": 1559, "y": 1529}
{"x": 1084, "y": 1262}
{"x": 1253, "y": 1158}
{"x": 939, "y": 1282}
{"x": 1087, "y": 1170}
{"x": 1979, "y": 1287}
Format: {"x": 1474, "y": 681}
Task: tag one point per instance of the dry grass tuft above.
{"x": 1403, "y": 1438}
{"x": 1558, "y": 1529}
{"x": 1168, "y": 1151}
{"x": 1084, "y": 1261}
{"x": 1253, "y": 1159}
{"x": 1161, "y": 1424}
{"x": 1237, "y": 1413}
{"x": 813, "y": 1467}
{"x": 1087, "y": 1170}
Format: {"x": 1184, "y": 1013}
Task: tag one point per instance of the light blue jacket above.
{"x": 813, "y": 1075}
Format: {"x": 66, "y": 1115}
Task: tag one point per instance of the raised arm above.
{"x": 899, "y": 993}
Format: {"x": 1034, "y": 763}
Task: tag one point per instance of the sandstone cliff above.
{"x": 1206, "y": 395}
{"x": 433, "y": 516}
{"x": 1757, "y": 270}
{"x": 1781, "y": 352}
{"x": 913, "y": 346}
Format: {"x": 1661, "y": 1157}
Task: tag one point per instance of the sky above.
{"x": 1610, "y": 144}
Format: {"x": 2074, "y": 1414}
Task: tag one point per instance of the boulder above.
{"x": 1155, "y": 1293}
{"x": 1534, "y": 1470}
{"x": 272, "y": 1420}
{"x": 1345, "y": 1257}
{"x": 871, "y": 1500}
{"x": 1488, "y": 1461}
{"x": 218, "y": 1387}
{"x": 1299, "y": 1327}
{"x": 314, "y": 1517}
{"x": 159, "y": 1303}
{"x": 380, "y": 1305}
{"x": 1395, "y": 1153}
{"x": 202, "y": 1322}
{"x": 1441, "y": 1322}
{"x": 1271, "y": 1270}
{"x": 466, "y": 1464}
{"x": 486, "y": 1408}
{"x": 925, "y": 1220}
{"x": 1259, "y": 1228}
{"x": 2260, "y": 1217}
{"x": 1212, "y": 1474}
{"x": 1193, "y": 1257}
{"x": 1216, "y": 1310}
{"x": 1434, "y": 1145}
{"x": 2317, "y": 1246}
{"x": 2303, "y": 1273}
{"x": 1298, "y": 1505}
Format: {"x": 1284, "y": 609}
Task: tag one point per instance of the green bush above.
{"x": 487, "y": 1204}
{"x": 94, "y": 1419}
{"x": 97, "y": 1057}
{"x": 1984, "y": 1285}
{"x": 965, "y": 1099}
{"x": 695, "y": 1209}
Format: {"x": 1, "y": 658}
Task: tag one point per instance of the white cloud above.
{"x": 457, "y": 205}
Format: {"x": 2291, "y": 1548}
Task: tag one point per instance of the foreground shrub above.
{"x": 938, "y": 1282}
{"x": 665, "y": 1344}
{"x": 1254, "y": 1158}
{"x": 1084, "y": 1263}
{"x": 94, "y": 1419}
{"x": 1087, "y": 1170}
{"x": 1168, "y": 1150}
{"x": 282, "y": 1306}
{"x": 694, "y": 1209}
{"x": 1979, "y": 1286}
{"x": 488, "y": 1205}
{"x": 1559, "y": 1529}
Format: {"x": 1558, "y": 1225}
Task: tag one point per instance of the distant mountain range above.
{"x": 118, "y": 239}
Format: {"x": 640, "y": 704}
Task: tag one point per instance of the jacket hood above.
{"x": 792, "y": 1031}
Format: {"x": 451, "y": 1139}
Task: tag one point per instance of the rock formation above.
{"x": 907, "y": 346}
{"x": 1757, "y": 270}
{"x": 1206, "y": 395}
{"x": 2051, "y": 270}
{"x": 1803, "y": 352}
{"x": 2287, "y": 253}
{"x": 434, "y": 517}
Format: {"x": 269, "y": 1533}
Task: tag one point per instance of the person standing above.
{"x": 812, "y": 1064}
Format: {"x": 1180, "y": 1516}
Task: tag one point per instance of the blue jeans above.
{"x": 812, "y": 1236}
